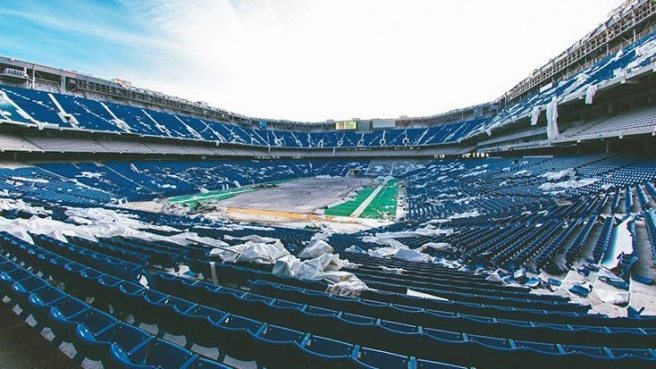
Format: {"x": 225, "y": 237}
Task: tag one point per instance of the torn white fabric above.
{"x": 494, "y": 277}
{"x": 347, "y": 288}
{"x": 93, "y": 223}
{"x": 419, "y": 232}
{"x": 383, "y": 241}
{"x": 570, "y": 184}
{"x": 590, "y": 93}
{"x": 355, "y": 249}
{"x": 474, "y": 174}
{"x": 316, "y": 249}
{"x": 20, "y": 205}
{"x": 413, "y": 256}
{"x": 414, "y": 293}
{"x": 535, "y": 115}
{"x": 325, "y": 267}
{"x": 556, "y": 176}
{"x": 468, "y": 214}
{"x": 400, "y": 252}
{"x": 252, "y": 252}
{"x": 437, "y": 246}
{"x": 523, "y": 173}
{"x": 552, "y": 120}
{"x": 252, "y": 238}
{"x": 393, "y": 270}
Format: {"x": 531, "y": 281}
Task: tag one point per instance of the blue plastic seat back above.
{"x": 29, "y": 285}
{"x": 46, "y": 296}
{"x": 280, "y": 335}
{"x": 328, "y": 348}
{"x": 70, "y": 306}
{"x": 427, "y": 364}
{"x": 96, "y": 321}
{"x": 162, "y": 354}
{"x": 358, "y": 320}
{"x": 381, "y": 359}
{"x": 125, "y": 336}
{"x": 235, "y": 322}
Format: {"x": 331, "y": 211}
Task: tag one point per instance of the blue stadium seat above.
{"x": 152, "y": 354}
{"x": 237, "y": 336}
{"x": 275, "y": 346}
{"x": 370, "y": 358}
{"x": 324, "y": 353}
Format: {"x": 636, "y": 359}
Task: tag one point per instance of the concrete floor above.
{"x": 21, "y": 347}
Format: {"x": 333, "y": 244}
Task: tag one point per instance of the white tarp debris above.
{"x": 252, "y": 252}
{"x": 552, "y": 119}
{"x": 325, "y": 267}
{"x": 474, "y": 174}
{"x": 414, "y": 293}
{"x": 252, "y": 238}
{"x": 316, "y": 249}
{"x": 494, "y": 277}
{"x": 429, "y": 231}
{"x": 383, "y": 241}
{"x": 535, "y": 115}
{"x": 347, "y": 288}
{"x": 437, "y": 246}
{"x": 33, "y": 180}
{"x": 241, "y": 227}
{"x": 523, "y": 173}
{"x": 412, "y": 256}
{"x": 355, "y": 249}
{"x": 467, "y": 214}
{"x": 397, "y": 250}
{"x": 590, "y": 93}
{"x": 20, "y": 205}
{"x": 393, "y": 270}
{"x": 266, "y": 250}
{"x": 92, "y": 175}
{"x": 93, "y": 223}
{"x": 570, "y": 184}
{"x": 556, "y": 176}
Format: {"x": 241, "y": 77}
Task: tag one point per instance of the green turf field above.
{"x": 381, "y": 206}
{"x": 384, "y": 204}
{"x": 347, "y": 208}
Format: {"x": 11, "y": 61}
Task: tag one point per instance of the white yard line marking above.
{"x": 356, "y": 213}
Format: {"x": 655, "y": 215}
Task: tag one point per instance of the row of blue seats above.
{"x": 118, "y": 267}
{"x": 152, "y": 255}
{"x": 458, "y": 348}
{"x": 95, "y": 335}
{"x": 232, "y": 274}
{"x": 240, "y": 338}
{"x": 95, "y": 116}
{"x": 143, "y": 180}
{"x": 496, "y": 298}
{"x": 228, "y": 273}
{"x": 619, "y": 336}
